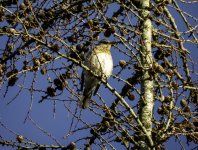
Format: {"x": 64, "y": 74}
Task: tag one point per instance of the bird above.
{"x": 99, "y": 60}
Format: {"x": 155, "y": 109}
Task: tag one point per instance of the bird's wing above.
{"x": 96, "y": 89}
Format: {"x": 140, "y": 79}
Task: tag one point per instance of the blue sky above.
{"x": 58, "y": 124}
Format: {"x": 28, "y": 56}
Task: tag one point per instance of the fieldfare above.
{"x": 100, "y": 61}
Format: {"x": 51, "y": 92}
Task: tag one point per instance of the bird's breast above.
{"x": 102, "y": 63}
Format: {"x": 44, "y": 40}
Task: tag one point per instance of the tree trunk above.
{"x": 146, "y": 100}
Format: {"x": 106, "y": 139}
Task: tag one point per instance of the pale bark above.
{"x": 146, "y": 101}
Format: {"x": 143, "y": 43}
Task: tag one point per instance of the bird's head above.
{"x": 104, "y": 46}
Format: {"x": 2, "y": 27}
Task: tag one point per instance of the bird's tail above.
{"x": 86, "y": 99}
{"x": 85, "y": 102}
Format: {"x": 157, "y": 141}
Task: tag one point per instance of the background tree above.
{"x": 150, "y": 99}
